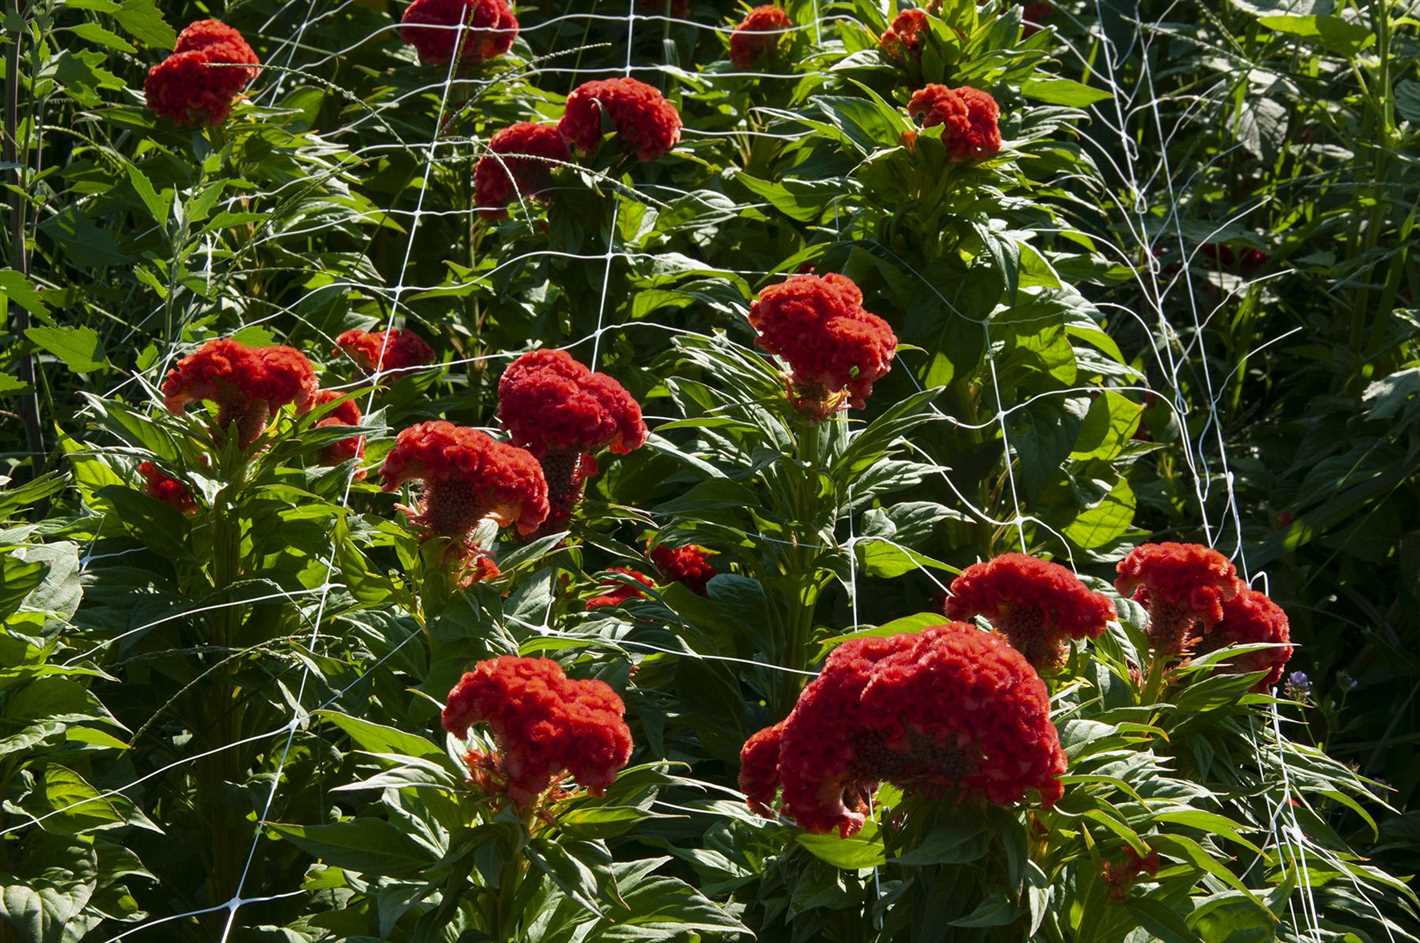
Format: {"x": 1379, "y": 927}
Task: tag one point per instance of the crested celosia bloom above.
{"x": 432, "y": 27}
{"x": 467, "y": 477}
{"x": 619, "y": 592}
{"x": 836, "y": 350}
{"x": 689, "y": 565}
{"x": 758, "y": 35}
{"x": 248, "y": 384}
{"x": 1250, "y": 617}
{"x": 970, "y": 118}
{"x": 904, "y": 38}
{"x": 545, "y": 725}
{"x": 647, "y": 124}
{"x": 1121, "y": 875}
{"x": 208, "y": 68}
{"x": 163, "y": 487}
{"x": 562, "y": 412}
{"x": 345, "y": 414}
{"x": 378, "y": 351}
{"x": 1037, "y": 605}
{"x": 1183, "y": 587}
{"x": 518, "y": 165}
{"x": 950, "y": 711}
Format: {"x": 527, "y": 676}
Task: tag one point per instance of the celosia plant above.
{"x": 689, "y": 565}
{"x": 163, "y": 487}
{"x": 618, "y": 592}
{"x": 951, "y": 712}
{"x": 1250, "y": 617}
{"x": 347, "y": 413}
{"x": 758, "y": 35}
{"x": 545, "y": 725}
{"x": 904, "y": 38}
{"x": 208, "y": 69}
{"x": 1183, "y": 587}
{"x": 248, "y": 384}
{"x": 478, "y": 29}
{"x": 518, "y": 165}
{"x": 1038, "y": 606}
{"x": 646, "y": 124}
{"x": 397, "y": 349}
{"x": 835, "y": 349}
{"x": 969, "y": 116}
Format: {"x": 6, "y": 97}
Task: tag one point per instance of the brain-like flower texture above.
{"x": 647, "y": 124}
{"x": 836, "y": 350}
{"x": 904, "y": 38}
{"x": 619, "y": 591}
{"x": 377, "y": 351}
{"x": 970, "y": 117}
{"x": 248, "y": 384}
{"x": 950, "y": 712}
{"x": 689, "y": 565}
{"x": 545, "y": 725}
{"x": 347, "y": 413}
{"x": 1183, "y": 587}
{"x": 208, "y": 68}
{"x": 518, "y": 165}
{"x": 432, "y": 27}
{"x": 161, "y": 486}
{"x": 758, "y": 35}
{"x": 1037, "y": 605}
{"x": 1250, "y": 617}
{"x": 467, "y": 477}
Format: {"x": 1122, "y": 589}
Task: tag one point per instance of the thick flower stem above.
{"x": 801, "y": 568}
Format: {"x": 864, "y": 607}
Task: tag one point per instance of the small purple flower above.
{"x": 1298, "y": 685}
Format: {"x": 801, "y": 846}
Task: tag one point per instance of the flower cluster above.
{"x": 1121, "y": 875}
{"x": 1183, "y": 587}
{"x": 346, "y": 413}
{"x": 1251, "y": 617}
{"x": 969, "y": 116}
{"x": 562, "y": 412}
{"x": 619, "y": 592}
{"x": 688, "y": 565}
{"x": 647, "y": 124}
{"x": 161, "y": 486}
{"x": 545, "y": 725}
{"x": 1037, "y": 605}
{"x": 435, "y": 28}
{"x": 904, "y": 38}
{"x": 758, "y": 35}
{"x": 518, "y": 165}
{"x": 379, "y": 351}
{"x": 248, "y": 384}
{"x": 206, "y": 72}
{"x": 836, "y": 350}
{"x": 950, "y": 711}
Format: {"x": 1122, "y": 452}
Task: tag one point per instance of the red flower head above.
{"x": 905, "y": 36}
{"x": 1250, "y": 617}
{"x": 1183, "y": 586}
{"x": 346, "y": 414}
{"x": 970, "y": 116}
{"x": 518, "y": 165}
{"x": 467, "y": 477}
{"x": 380, "y": 351}
{"x": 247, "y": 383}
{"x": 208, "y": 69}
{"x": 1037, "y": 605}
{"x": 836, "y": 351}
{"x": 948, "y": 711}
{"x": 688, "y": 565}
{"x": 621, "y": 592}
{"x": 645, "y": 122}
{"x": 167, "y": 489}
{"x": 432, "y": 28}
{"x": 1121, "y": 875}
{"x": 545, "y": 724}
{"x": 758, "y": 35}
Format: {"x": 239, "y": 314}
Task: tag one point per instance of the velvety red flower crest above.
{"x": 163, "y": 487}
{"x": 1250, "y": 617}
{"x": 758, "y": 35}
{"x": 248, "y": 384}
{"x": 345, "y": 414}
{"x": 689, "y": 565}
{"x": 647, "y": 124}
{"x": 904, "y": 38}
{"x": 620, "y": 592}
{"x": 970, "y": 116}
{"x": 1183, "y": 587}
{"x": 519, "y": 164}
{"x": 378, "y": 351}
{"x": 432, "y": 28}
{"x": 206, "y": 72}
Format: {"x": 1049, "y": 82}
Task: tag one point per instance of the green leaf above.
{"x": 995, "y": 911}
{"x": 142, "y": 20}
{"x": 157, "y": 205}
{"x": 1108, "y": 427}
{"x": 572, "y": 875}
{"x": 95, "y": 33}
{"x": 1054, "y": 91}
{"x": 917, "y": 622}
{"x": 948, "y": 843}
{"x": 1334, "y": 33}
{"x": 886, "y": 560}
{"x": 17, "y": 579}
{"x": 78, "y": 347}
{"x": 1106, "y": 521}
{"x": 378, "y": 738}
{"x": 369, "y": 846}
{"x": 55, "y": 878}
{"x": 17, "y": 288}
{"x": 863, "y": 850}
{"x": 668, "y": 908}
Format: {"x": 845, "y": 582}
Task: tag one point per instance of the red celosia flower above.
{"x": 246, "y": 383}
{"x": 758, "y": 35}
{"x": 1037, "y": 605}
{"x": 346, "y": 414}
{"x": 1183, "y": 586}
{"x": 518, "y": 165}
{"x": 645, "y": 122}
{"x": 836, "y": 350}
{"x": 208, "y": 69}
{"x": 969, "y": 115}
{"x": 380, "y": 351}
{"x": 167, "y": 489}
{"x": 688, "y": 565}
{"x": 948, "y": 711}
{"x": 1251, "y": 617}
{"x": 905, "y": 36}
{"x": 621, "y": 591}
{"x": 545, "y": 724}
{"x": 432, "y": 27}
{"x": 1121, "y": 875}
{"x": 467, "y": 477}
